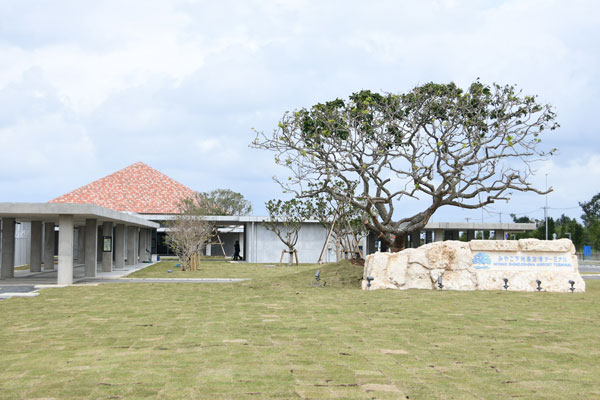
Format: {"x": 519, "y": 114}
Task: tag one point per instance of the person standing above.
{"x": 236, "y": 251}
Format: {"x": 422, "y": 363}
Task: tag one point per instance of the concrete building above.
{"x": 131, "y": 209}
{"x": 92, "y": 247}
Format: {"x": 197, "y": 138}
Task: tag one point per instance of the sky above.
{"x": 88, "y": 87}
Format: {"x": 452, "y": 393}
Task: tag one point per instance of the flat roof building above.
{"x": 122, "y": 219}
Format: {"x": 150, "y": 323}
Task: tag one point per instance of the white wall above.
{"x": 265, "y": 246}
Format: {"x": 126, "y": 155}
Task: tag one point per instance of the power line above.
{"x": 515, "y": 213}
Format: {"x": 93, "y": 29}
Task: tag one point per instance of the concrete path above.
{"x": 164, "y": 280}
{"x": 27, "y": 284}
{"x": 591, "y": 277}
{"x": 590, "y": 268}
{"x": 6, "y": 292}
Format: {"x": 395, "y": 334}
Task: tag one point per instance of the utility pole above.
{"x": 546, "y": 208}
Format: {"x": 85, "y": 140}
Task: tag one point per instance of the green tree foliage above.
{"x": 438, "y": 142}
{"x": 223, "y": 202}
{"x": 592, "y": 234}
{"x": 591, "y": 219}
{"x": 564, "y": 227}
{"x": 285, "y": 220}
{"x": 591, "y": 210}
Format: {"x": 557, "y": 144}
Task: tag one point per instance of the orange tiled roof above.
{"x": 137, "y": 188}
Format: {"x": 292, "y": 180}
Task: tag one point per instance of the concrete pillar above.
{"x": 132, "y": 233}
{"x": 141, "y": 245}
{"x": 81, "y": 244}
{"x": 438, "y": 235}
{"x": 144, "y": 245}
{"x": 470, "y": 235}
{"x": 428, "y": 237}
{"x": 415, "y": 239}
{"x": 148, "y": 247}
{"x": 7, "y": 266}
{"x": 119, "y": 246}
{"x": 99, "y": 244}
{"x": 91, "y": 247}
{"x": 499, "y": 235}
{"x": 48, "y": 245}
{"x": 149, "y": 244}
{"x": 65, "y": 250}
{"x": 35, "y": 249}
{"x": 107, "y": 256}
{"x": 451, "y": 235}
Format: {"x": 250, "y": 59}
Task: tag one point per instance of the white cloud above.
{"x": 90, "y": 87}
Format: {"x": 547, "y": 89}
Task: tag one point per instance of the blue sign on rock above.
{"x": 587, "y": 251}
{"x": 482, "y": 258}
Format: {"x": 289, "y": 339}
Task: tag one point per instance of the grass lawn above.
{"x": 276, "y": 337}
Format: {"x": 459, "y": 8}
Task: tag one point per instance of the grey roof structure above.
{"x": 49, "y": 212}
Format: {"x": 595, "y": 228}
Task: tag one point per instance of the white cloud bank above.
{"x": 90, "y": 87}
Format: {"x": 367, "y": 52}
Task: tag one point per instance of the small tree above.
{"x": 344, "y": 221}
{"x": 188, "y": 234}
{"x": 285, "y": 220}
{"x": 220, "y": 202}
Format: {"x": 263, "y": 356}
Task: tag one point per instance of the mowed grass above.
{"x": 275, "y": 336}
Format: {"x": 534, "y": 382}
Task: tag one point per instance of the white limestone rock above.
{"x": 459, "y": 280}
{"x": 494, "y": 245}
{"x": 547, "y": 246}
{"x": 396, "y": 268}
{"x": 453, "y": 261}
{"x": 525, "y": 281}
{"x": 376, "y": 266}
{"x": 417, "y": 277}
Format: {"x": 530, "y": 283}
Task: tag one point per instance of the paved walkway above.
{"x": 591, "y": 277}
{"x": 589, "y": 268}
{"x": 26, "y": 283}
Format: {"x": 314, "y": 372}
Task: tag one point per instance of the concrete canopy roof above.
{"x": 49, "y": 212}
{"x": 477, "y": 226}
{"x": 481, "y": 226}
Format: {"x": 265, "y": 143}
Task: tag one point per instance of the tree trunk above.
{"x": 399, "y": 243}
{"x": 291, "y": 259}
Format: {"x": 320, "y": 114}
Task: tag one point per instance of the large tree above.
{"x": 223, "y": 202}
{"x": 453, "y": 147}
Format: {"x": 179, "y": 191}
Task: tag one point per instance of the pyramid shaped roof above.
{"x": 137, "y": 188}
